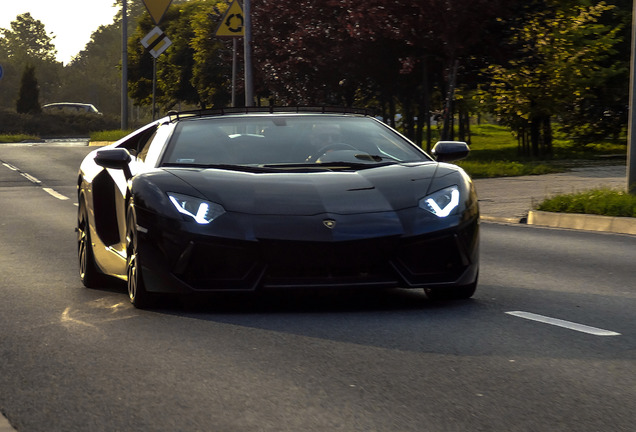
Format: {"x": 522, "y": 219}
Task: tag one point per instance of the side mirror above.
{"x": 448, "y": 151}
{"x": 117, "y": 158}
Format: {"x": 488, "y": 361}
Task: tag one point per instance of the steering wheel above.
{"x": 335, "y": 146}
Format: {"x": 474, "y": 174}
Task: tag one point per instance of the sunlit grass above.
{"x": 487, "y": 169}
{"x": 604, "y": 201}
{"x": 111, "y": 135}
{"x": 17, "y": 138}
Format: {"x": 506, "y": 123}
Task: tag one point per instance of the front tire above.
{"x": 137, "y": 293}
{"x": 89, "y": 275}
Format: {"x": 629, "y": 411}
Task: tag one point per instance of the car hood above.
{"x": 379, "y": 189}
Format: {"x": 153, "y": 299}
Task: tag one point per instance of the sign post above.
{"x": 156, "y": 42}
{"x": 233, "y": 25}
{"x": 631, "y": 126}
{"x": 124, "y": 67}
{"x": 249, "y": 84}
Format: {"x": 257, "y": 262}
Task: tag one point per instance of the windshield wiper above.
{"x": 375, "y": 158}
{"x": 229, "y": 167}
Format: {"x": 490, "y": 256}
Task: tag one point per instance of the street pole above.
{"x": 234, "y": 69}
{"x": 631, "y": 127}
{"x": 124, "y": 66}
{"x": 154, "y": 85}
{"x": 249, "y": 83}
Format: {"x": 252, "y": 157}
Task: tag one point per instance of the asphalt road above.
{"x": 548, "y": 343}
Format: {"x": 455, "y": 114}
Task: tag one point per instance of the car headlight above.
{"x": 202, "y": 211}
{"x": 441, "y": 203}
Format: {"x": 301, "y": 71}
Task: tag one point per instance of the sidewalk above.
{"x": 511, "y": 199}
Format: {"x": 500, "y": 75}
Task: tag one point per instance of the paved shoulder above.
{"x": 513, "y": 197}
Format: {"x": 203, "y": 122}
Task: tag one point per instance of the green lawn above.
{"x": 494, "y": 153}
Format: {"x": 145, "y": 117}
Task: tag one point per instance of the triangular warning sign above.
{"x": 232, "y": 24}
{"x": 157, "y": 8}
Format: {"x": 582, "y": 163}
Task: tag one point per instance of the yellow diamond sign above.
{"x": 157, "y": 8}
{"x": 232, "y": 24}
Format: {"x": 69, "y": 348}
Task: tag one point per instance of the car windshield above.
{"x": 287, "y": 141}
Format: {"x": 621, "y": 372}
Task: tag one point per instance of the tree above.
{"x": 28, "y": 99}
{"x": 94, "y": 74}
{"x": 194, "y": 70}
{"x": 561, "y": 57}
{"x": 27, "y": 42}
{"x": 392, "y": 53}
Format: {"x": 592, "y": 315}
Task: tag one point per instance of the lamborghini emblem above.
{"x": 329, "y": 223}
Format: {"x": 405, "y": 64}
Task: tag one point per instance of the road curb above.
{"x": 5, "y": 426}
{"x": 619, "y": 225}
{"x": 500, "y": 219}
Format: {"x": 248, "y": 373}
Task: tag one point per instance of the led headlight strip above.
{"x": 441, "y": 203}
{"x": 203, "y": 212}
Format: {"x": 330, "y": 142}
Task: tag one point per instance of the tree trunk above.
{"x": 448, "y": 108}
{"x": 547, "y": 136}
{"x": 426, "y": 106}
{"x": 535, "y": 137}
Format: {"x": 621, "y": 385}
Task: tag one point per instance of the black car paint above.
{"x": 273, "y": 218}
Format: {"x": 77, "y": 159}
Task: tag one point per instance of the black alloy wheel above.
{"x": 137, "y": 293}
{"x": 88, "y": 272}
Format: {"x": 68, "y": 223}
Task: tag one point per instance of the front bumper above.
{"x": 177, "y": 259}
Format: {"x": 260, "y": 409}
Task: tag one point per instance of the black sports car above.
{"x": 250, "y": 199}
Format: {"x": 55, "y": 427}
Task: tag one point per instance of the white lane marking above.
{"x": 565, "y": 324}
{"x": 27, "y": 176}
{"x": 36, "y": 181}
{"x": 5, "y": 426}
{"x": 30, "y": 178}
{"x": 55, "y": 194}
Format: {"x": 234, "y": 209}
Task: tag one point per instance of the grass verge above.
{"x": 109, "y": 135}
{"x": 16, "y": 138}
{"x": 604, "y": 202}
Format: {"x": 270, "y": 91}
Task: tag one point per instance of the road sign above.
{"x": 157, "y": 8}
{"x": 156, "y": 42}
{"x": 233, "y": 22}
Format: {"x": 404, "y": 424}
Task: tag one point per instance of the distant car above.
{"x": 250, "y": 199}
{"x": 71, "y": 108}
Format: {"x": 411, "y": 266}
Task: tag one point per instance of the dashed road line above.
{"x": 562, "y": 323}
{"x": 35, "y": 181}
{"x": 55, "y": 194}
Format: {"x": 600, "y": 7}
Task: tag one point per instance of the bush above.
{"x": 606, "y": 202}
{"x": 54, "y": 124}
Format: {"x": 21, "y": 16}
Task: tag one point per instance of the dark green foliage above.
{"x": 551, "y": 62}
{"x": 49, "y": 125}
{"x": 29, "y": 95}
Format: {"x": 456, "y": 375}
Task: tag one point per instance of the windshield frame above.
{"x": 241, "y": 140}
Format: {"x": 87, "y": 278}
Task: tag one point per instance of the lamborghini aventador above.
{"x": 257, "y": 199}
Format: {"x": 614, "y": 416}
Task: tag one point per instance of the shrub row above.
{"x": 52, "y": 125}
